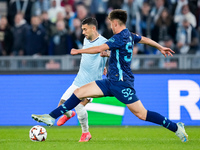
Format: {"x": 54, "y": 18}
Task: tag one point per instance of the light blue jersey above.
{"x": 91, "y": 65}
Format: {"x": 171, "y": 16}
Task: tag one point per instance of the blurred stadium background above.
{"x": 36, "y": 67}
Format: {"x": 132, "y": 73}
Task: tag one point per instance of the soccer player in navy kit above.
{"x": 120, "y": 80}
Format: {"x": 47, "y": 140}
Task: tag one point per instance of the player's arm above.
{"x": 90, "y": 50}
{"x": 163, "y": 50}
{"x": 105, "y": 53}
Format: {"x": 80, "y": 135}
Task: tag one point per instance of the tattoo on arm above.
{"x": 62, "y": 101}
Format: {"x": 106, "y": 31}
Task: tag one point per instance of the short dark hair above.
{"x": 119, "y": 14}
{"x": 90, "y": 21}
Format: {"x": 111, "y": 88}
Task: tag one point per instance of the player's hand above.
{"x": 105, "y": 71}
{"x": 74, "y": 51}
{"x": 105, "y": 53}
{"x": 166, "y": 51}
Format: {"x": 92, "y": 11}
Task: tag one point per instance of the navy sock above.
{"x": 72, "y": 102}
{"x": 159, "y": 119}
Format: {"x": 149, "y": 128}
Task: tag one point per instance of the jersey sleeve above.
{"x": 136, "y": 38}
{"x": 104, "y": 40}
{"x": 113, "y": 42}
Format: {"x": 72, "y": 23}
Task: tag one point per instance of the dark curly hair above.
{"x": 119, "y": 14}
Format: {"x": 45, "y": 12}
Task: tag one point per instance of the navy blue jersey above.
{"x": 121, "y": 47}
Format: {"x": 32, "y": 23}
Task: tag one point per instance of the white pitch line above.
{"x": 103, "y": 108}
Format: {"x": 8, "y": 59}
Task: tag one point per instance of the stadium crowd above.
{"x": 53, "y": 27}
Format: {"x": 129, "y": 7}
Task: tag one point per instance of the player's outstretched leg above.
{"x": 49, "y": 119}
{"x": 181, "y": 132}
{"x": 46, "y": 118}
{"x": 178, "y": 128}
{"x": 138, "y": 109}
{"x": 65, "y": 118}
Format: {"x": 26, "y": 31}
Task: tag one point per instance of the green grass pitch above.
{"x": 103, "y": 138}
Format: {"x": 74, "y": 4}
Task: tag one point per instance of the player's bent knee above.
{"x": 76, "y": 92}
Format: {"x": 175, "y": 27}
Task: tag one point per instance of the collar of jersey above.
{"x": 95, "y": 39}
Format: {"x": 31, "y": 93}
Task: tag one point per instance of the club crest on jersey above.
{"x": 111, "y": 40}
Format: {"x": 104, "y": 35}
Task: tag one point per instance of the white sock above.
{"x": 82, "y": 117}
{"x": 68, "y": 114}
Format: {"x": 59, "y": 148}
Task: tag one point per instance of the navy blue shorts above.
{"x": 122, "y": 90}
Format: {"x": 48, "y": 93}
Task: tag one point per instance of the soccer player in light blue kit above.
{"x": 120, "y": 81}
{"x": 91, "y": 69}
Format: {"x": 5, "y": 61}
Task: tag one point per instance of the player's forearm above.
{"x": 94, "y": 50}
{"x": 150, "y": 42}
{"x": 90, "y": 50}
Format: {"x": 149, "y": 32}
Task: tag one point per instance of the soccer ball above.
{"x": 38, "y": 133}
